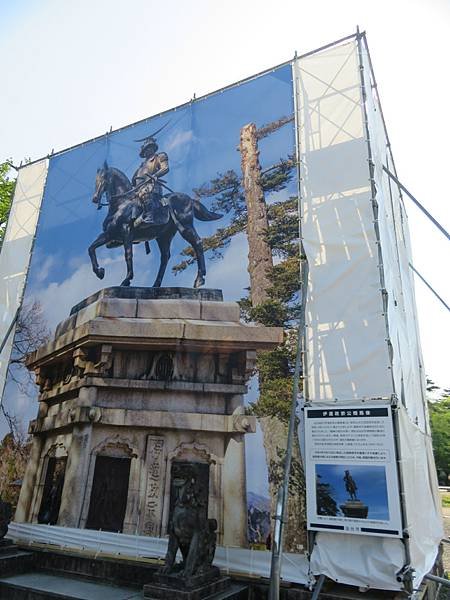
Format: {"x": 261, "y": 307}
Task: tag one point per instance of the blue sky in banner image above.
{"x": 370, "y": 481}
{"x": 201, "y": 140}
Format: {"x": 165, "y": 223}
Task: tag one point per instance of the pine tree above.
{"x": 274, "y": 231}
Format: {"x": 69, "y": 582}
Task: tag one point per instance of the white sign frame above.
{"x": 358, "y": 440}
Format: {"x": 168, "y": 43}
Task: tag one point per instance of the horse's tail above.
{"x": 203, "y": 214}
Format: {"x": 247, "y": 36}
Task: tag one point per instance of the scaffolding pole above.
{"x": 417, "y": 203}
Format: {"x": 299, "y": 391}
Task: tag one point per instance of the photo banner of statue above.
{"x": 351, "y": 471}
{"x": 202, "y": 198}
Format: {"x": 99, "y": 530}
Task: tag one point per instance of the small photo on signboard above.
{"x": 351, "y": 470}
{"x": 356, "y": 491}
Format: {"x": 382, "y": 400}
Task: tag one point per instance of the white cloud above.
{"x": 45, "y": 268}
{"x": 230, "y": 273}
{"x": 57, "y": 299}
{"x": 179, "y": 139}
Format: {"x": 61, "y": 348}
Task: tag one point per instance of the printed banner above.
{"x": 178, "y": 200}
{"x": 351, "y": 471}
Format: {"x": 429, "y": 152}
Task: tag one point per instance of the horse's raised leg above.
{"x": 192, "y": 237}
{"x": 100, "y": 241}
{"x": 128, "y": 249}
{"x": 164, "y": 247}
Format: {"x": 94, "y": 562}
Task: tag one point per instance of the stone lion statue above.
{"x": 190, "y": 530}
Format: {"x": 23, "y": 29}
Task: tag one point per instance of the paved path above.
{"x": 72, "y": 588}
{"x": 446, "y": 556}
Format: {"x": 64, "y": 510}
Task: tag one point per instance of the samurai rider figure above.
{"x": 350, "y": 485}
{"x": 149, "y": 190}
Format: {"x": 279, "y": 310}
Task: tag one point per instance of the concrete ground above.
{"x": 445, "y": 592}
{"x": 72, "y": 588}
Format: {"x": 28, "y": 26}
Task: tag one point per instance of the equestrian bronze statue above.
{"x": 139, "y": 212}
{"x": 350, "y": 486}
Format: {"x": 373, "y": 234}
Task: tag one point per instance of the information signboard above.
{"x": 351, "y": 471}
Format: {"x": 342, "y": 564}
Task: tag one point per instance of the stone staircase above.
{"x": 38, "y": 575}
{"x": 48, "y": 574}
{"x": 13, "y": 560}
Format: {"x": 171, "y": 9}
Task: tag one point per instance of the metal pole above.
{"x": 13, "y": 322}
{"x": 275, "y": 563}
{"x": 417, "y": 203}
{"x": 283, "y": 492}
{"x": 407, "y": 578}
{"x": 441, "y": 580}
{"x": 318, "y": 587}
{"x": 429, "y": 287}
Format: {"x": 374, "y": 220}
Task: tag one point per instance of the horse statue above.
{"x": 119, "y": 225}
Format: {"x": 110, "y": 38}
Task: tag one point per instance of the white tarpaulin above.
{"x": 421, "y": 493}
{"x": 238, "y": 560}
{"x": 346, "y": 351}
{"x": 16, "y": 250}
{"x": 361, "y": 327}
{"x": 423, "y": 512}
{"x": 408, "y": 372}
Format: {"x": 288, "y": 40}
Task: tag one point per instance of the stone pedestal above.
{"x": 355, "y": 509}
{"x": 135, "y": 380}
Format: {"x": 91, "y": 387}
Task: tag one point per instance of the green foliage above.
{"x": 275, "y": 178}
{"x": 282, "y": 235}
{"x": 226, "y": 195}
{"x": 276, "y": 472}
{"x": 326, "y": 505}
{"x": 440, "y": 429}
{"x": 228, "y": 198}
{"x": 276, "y": 364}
{"x": 274, "y": 400}
{"x": 6, "y": 192}
{"x": 215, "y": 244}
{"x": 271, "y": 313}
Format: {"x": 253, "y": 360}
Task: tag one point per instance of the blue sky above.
{"x": 14, "y": 13}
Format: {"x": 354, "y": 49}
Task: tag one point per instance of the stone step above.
{"x": 235, "y": 591}
{"x": 46, "y": 586}
{"x": 15, "y": 561}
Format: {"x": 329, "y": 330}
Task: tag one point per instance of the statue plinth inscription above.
{"x": 155, "y": 486}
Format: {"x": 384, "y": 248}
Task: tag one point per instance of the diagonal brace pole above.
{"x": 429, "y": 287}
{"x": 416, "y": 202}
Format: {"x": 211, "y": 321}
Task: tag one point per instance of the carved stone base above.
{"x": 197, "y": 587}
{"x": 355, "y": 509}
